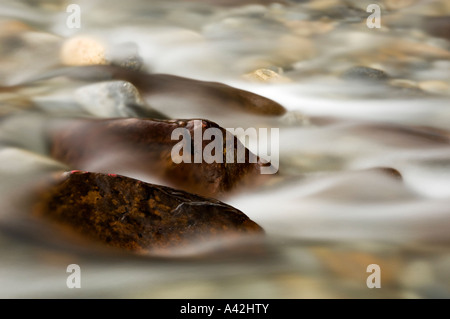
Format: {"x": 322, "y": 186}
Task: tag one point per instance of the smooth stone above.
{"x": 403, "y": 83}
{"x": 114, "y": 99}
{"x": 180, "y": 97}
{"x": 380, "y": 184}
{"x": 265, "y": 76}
{"x": 125, "y": 55}
{"x": 17, "y": 161}
{"x": 435, "y": 87}
{"x": 438, "y": 26}
{"x": 83, "y": 50}
{"x": 364, "y": 73}
{"x": 142, "y": 149}
{"x": 144, "y": 218}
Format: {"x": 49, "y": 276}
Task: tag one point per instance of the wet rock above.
{"x": 403, "y": 83}
{"x": 373, "y": 185}
{"x": 364, "y": 73}
{"x": 178, "y": 97}
{"x": 144, "y": 218}
{"x": 83, "y": 50}
{"x": 265, "y": 75}
{"x": 438, "y": 26}
{"x": 114, "y": 99}
{"x": 435, "y": 87}
{"x": 403, "y": 88}
{"x": 126, "y": 55}
{"x": 174, "y": 93}
{"x": 143, "y": 149}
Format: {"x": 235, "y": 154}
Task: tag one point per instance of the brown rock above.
{"x": 438, "y": 26}
{"x": 142, "y": 149}
{"x": 163, "y": 90}
{"x": 145, "y": 218}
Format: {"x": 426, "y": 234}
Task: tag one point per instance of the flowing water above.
{"x": 364, "y": 173}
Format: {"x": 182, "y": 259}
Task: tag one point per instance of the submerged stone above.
{"x": 143, "y": 149}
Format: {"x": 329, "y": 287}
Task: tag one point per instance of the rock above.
{"x": 126, "y": 55}
{"x": 142, "y": 149}
{"x": 114, "y": 99}
{"x": 265, "y": 75}
{"x": 83, "y": 50}
{"x": 364, "y": 73}
{"x": 179, "y": 97}
{"x": 17, "y": 161}
{"x": 122, "y": 212}
{"x": 374, "y": 185}
{"x": 435, "y": 87}
{"x": 403, "y": 83}
{"x": 437, "y": 26}
{"x": 404, "y": 88}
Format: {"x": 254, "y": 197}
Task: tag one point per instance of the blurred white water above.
{"x": 332, "y": 211}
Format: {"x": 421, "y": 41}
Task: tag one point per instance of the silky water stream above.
{"x": 364, "y": 147}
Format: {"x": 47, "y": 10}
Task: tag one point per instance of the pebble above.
{"x": 265, "y": 76}
{"x": 364, "y": 73}
{"x": 144, "y": 218}
{"x": 83, "y": 50}
{"x": 435, "y": 87}
{"x": 403, "y": 83}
